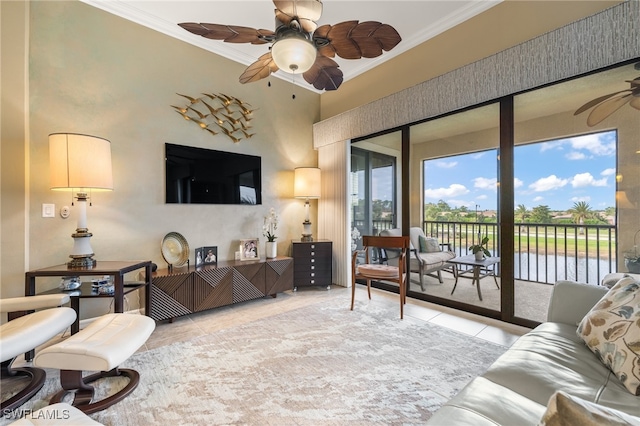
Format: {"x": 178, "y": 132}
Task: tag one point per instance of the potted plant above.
{"x": 268, "y": 230}
{"x": 632, "y": 257}
{"x": 480, "y": 250}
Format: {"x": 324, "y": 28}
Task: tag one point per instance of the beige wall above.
{"x": 13, "y": 155}
{"x": 92, "y": 72}
{"x": 507, "y": 24}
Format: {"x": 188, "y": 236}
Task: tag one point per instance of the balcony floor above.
{"x": 531, "y": 298}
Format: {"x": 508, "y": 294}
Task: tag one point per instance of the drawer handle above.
{"x": 313, "y": 274}
{"x": 313, "y": 267}
{"x": 313, "y": 260}
{"x": 313, "y": 246}
{"x": 313, "y": 281}
{"x": 313, "y": 253}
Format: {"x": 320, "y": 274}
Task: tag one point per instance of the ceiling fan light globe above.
{"x": 294, "y": 55}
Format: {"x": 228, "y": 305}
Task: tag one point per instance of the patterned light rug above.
{"x": 317, "y": 365}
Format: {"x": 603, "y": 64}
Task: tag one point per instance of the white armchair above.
{"x": 25, "y": 333}
{"x": 428, "y": 258}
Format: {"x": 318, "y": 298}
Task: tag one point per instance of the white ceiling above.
{"x": 416, "y": 21}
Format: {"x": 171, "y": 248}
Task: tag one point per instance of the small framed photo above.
{"x": 249, "y": 249}
{"x": 206, "y": 256}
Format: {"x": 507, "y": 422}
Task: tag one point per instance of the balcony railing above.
{"x": 543, "y": 252}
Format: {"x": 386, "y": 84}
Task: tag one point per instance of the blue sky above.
{"x": 554, "y": 173}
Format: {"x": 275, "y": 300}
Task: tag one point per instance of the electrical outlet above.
{"x": 48, "y": 210}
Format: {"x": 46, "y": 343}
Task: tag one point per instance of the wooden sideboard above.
{"x": 189, "y": 289}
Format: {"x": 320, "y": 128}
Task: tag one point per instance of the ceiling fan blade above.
{"x": 310, "y": 10}
{"x": 353, "y": 40}
{"x": 229, "y": 33}
{"x": 307, "y": 25}
{"x": 260, "y": 69}
{"x": 325, "y": 74}
{"x": 635, "y": 102}
{"x": 596, "y": 101}
{"x": 606, "y": 108}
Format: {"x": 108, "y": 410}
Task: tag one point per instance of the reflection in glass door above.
{"x": 374, "y": 181}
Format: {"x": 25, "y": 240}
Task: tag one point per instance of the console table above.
{"x": 186, "y": 290}
{"x": 116, "y": 269}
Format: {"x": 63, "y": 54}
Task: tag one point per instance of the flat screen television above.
{"x": 205, "y": 176}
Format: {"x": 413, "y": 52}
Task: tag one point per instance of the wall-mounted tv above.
{"x": 205, "y": 176}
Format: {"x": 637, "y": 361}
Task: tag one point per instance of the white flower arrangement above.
{"x": 270, "y": 225}
{"x": 355, "y": 236}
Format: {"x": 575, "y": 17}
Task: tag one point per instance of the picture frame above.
{"x": 249, "y": 249}
{"x": 207, "y": 255}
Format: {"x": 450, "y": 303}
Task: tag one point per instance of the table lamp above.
{"x": 81, "y": 163}
{"x": 306, "y": 185}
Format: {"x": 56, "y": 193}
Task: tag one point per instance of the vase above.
{"x": 479, "y": 256}
{"x": 271, "y": 249}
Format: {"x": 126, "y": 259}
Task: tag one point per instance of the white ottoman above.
{"x": 102, "y": 346}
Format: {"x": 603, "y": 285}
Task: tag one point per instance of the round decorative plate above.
{"x": 175, "y": 249}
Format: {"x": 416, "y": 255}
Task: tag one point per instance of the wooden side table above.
{"x": 116, "y": 269}
{"x": 312, "y": 263}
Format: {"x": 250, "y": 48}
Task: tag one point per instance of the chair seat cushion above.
{"x": 378, "y": 271}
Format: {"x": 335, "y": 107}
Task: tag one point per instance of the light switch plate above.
{"x": 48, "y": 210}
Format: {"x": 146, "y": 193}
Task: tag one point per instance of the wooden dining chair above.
{"x": 377, "y": 271}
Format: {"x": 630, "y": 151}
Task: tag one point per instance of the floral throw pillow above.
{"x": 564, "y": 409}
{"x": 612, "y": 331}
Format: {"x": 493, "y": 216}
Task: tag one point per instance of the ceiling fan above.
{"x": 604, "y": 106}
{"x": 299, "y": 46}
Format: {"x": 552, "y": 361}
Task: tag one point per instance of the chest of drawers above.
{"x": 312, "y": 263}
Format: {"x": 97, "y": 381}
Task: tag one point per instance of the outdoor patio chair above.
{"x": 428, "y": 256}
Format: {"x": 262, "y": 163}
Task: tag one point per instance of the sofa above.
{"x": 427, "y": 254}
{"x": 548, "y": 361}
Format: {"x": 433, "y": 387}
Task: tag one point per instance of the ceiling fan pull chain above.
{"x": 293, "y": 82}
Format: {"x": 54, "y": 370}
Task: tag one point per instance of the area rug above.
{"x": 317, "y": 365}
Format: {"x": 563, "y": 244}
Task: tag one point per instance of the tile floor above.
{"x": 188, "y": 327}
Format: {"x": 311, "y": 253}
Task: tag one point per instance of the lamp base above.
{"x": 306, "y": 231}
{"x": 86, "y": 262}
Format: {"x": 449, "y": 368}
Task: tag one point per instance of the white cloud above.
{"x": 478, "y": 156}
{"x": 594, "y": 143}
{"x": 485, "y": 183}
{"x": 538, "y": 198}
{"x": 548, "y": 183}
{"x": 608, "y": 172}
{"x": 481, "y": 197}
{"x": 517, "y": 183}
{"x": 454, "y": 190}
{"x": 586, "y": 199}
{"x": 446, "y": 164}
{"x": 546, "y": 146}
{"x": 582, "y": 180}
{"x": 575, "y": 155}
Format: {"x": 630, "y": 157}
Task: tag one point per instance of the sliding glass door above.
{"x": 374, "y": 184}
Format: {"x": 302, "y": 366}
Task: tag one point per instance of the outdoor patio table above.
{"x": 480, "y": 269}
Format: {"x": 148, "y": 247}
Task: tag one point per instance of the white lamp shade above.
{"x": 79, "y": 161}
{"x": 293, "y": 54}
{"x": 306, "y": 182}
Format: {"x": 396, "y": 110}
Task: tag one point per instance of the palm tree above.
{"x": 522, "y": 213}
{"x": 579, "y": 212}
